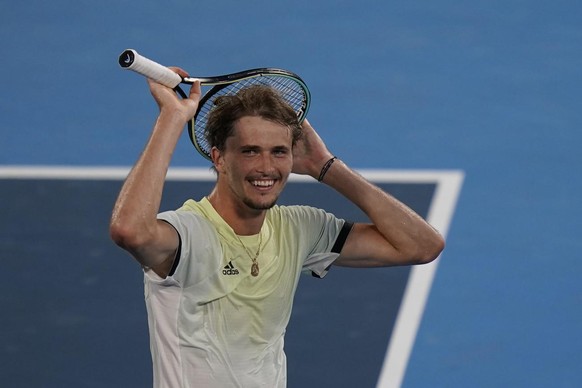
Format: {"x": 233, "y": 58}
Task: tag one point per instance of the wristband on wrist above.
{"x": 325, "y": 167}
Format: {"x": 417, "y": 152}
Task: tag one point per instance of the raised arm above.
{"x": 134, "y": 225}
{"x": 396, "y": 234}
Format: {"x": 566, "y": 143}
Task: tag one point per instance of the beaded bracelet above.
{"x": 325, "y": 167}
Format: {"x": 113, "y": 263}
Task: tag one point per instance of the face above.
{"x": 255, "y": 164}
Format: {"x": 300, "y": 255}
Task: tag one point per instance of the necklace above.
{"x": 255, "y": 265}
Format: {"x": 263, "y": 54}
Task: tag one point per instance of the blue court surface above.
{"x": 470, "y": 111}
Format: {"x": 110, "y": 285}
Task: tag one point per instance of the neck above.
{"x": 243, "y": 220}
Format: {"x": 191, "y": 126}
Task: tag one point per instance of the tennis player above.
{"x": 221, "y": 271}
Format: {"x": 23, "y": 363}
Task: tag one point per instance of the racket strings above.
{"x": 290, "y": 90}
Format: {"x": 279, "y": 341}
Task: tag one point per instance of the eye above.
{"x": 249, "y": 151}
{"x": 280, "y": 152}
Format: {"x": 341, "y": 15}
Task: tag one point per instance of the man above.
{"x": 221, "y": 272}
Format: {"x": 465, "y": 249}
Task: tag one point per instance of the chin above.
{"x": 260, "y": 205}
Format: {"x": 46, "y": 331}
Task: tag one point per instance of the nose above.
{"x": 266, "y": 164}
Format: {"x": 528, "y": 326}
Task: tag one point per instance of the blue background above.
{"x": 488, "y": 87}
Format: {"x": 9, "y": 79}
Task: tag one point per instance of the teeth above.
{"x": 263, "y": 183}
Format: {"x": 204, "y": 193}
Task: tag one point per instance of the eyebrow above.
{"x": 281, "y": 147}
{"x": 252, "y": 147}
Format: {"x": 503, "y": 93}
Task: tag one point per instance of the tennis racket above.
{"x": 289, "y": 85}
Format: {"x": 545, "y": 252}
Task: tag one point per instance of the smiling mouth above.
{"x": 263, "y": 183}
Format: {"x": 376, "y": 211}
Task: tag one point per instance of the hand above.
{"x": 168, "y": 101}
{"x": 310, "y": 152}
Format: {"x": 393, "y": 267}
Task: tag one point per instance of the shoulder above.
{"x": 192, "y": 214}
{"x": 302, "y": 219}
{"x": 186, "y": 218}
{"x": 301, "y": 213}
{"x": 193, "y": 228}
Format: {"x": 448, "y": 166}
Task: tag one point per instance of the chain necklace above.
{"x": 255, "y": 265}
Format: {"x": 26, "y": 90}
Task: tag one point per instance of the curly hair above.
{"x": 257, "y": 100}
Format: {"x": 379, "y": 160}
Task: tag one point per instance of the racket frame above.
{"x": 220, "y": 82}
{"x": 131, "y": 60}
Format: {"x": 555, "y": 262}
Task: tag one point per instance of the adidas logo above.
{"x": 229, "y": 269}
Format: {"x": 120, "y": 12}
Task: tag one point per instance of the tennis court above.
{"x": 468, "y": 111}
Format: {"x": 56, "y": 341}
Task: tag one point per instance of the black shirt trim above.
{"x": 339, "y": 242}
{"x": 341, "y": 238}
{"x": 178, "y": 251}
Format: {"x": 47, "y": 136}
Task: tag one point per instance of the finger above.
{"x": 195, "y": 90}
{"x": 181, "y": 72}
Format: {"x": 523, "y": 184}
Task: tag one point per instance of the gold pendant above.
{"x": 255, "y": 269}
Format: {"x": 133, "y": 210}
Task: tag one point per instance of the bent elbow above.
{"x": 125, "y": 236}
{"x": 432, "y": 250}
{"x": 119, "y": 234}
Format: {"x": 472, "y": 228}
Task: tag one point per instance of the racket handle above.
{"x": 131, "y": 60}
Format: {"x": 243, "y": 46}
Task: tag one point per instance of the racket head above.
{"x": 289, "y": 85}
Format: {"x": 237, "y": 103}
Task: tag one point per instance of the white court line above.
{"x": 419, "y": 283}
{"x": 192, "y": 173}
{"x": 95, "y": 173}
{"x": 448, "y": 187}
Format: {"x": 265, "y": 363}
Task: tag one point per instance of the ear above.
{"x": 217, "y": 159}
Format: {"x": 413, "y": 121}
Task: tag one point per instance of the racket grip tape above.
{"x": 131, "y": 60}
